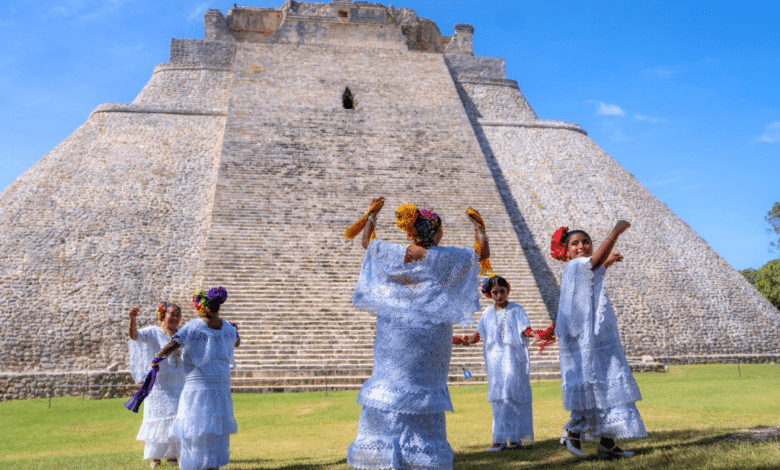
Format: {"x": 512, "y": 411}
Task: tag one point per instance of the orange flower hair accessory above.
{"x": 161, "y": 309}
{"x": 557, "y": 246}
{"x": 405, "y": 217}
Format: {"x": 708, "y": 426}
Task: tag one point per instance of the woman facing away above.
{"x": 417, "y": 291}
{"x": 161, "y": 404}
{"x": 597, "y": 385}
{"x": 204, "y": 420}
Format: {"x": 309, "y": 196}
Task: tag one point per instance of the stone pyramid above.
{"x": 244, "y": 158}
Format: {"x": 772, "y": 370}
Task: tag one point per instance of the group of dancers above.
{"x": 417, "y": 292}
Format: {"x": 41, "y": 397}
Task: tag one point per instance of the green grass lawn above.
{"x": 697, "y": 417}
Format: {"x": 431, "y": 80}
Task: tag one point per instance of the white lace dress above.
{"x": 507, "y": 364}
{"x": 205, "y": 420}
{"x": 161, "y": 404}
{"x": 597, "y": 384}
{"x": 402, "y": 422}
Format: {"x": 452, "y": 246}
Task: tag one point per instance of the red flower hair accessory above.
{"x": 557, "y": 247}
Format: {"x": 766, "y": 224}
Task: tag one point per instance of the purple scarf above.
{"x": 135, "y": 401}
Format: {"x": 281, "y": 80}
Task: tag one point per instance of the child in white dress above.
{"x": 597, "y": 385}
{"x": 505, "y": 329}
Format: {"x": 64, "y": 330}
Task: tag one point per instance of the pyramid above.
{"x": 244, "y": 158}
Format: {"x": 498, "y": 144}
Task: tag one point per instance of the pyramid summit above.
{"x": 246, "y": 155}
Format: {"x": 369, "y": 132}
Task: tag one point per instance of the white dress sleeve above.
{"x": 142, "y": 351}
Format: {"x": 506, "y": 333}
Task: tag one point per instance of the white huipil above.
{"x": 507, "y": 364}
{"x": 205, "y": 418}
{"x": 163, "y": 401}
{"x": 402, "y": 422}
{"x": 596, "y": 381}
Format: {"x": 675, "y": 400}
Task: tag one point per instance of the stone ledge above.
{"x": 169, "y": 66}
{"x": 538, "y": 124}
{"x": 147, "y": 109}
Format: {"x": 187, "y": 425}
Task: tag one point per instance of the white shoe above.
{"x": 496, "y": 448}
{"x": 566, "y": 441}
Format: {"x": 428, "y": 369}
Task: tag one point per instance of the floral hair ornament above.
{"x": 203, "y": 300}
{"x": 161, "y": 309}
{"x": 484, "y": 265}
{"x": 557, "y": 246}
{"x": 405, "y": 216}
{"x": 485, "y": 283}
{"x": 358, "y": 226}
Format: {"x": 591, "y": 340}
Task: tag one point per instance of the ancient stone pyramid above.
{"x": 244, "y": 158}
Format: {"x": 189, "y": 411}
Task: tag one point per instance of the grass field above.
{"x": 703, "y": 417}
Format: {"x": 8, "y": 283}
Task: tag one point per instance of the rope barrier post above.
{"x": 326, "y": 385}
{"x": 738, "y": 369}
{"x": 51, "y": 392}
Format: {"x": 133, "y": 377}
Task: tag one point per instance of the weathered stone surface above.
{"x": 238, "y": 165}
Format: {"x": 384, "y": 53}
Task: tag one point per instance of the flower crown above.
{"x": 557, "y": 246}
{"x": 201, "y": 300}
{"x": 161, "y": 309}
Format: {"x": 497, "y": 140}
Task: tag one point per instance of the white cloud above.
{"x": 771, "y": 133}
{"x": 663, "y": 71}
{"x": 604, "y": 109}
{"x": 654, "y": 120}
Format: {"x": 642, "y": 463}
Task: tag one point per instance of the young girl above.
{"x": 596, "y": 381}
{"x": 505, "y": 328}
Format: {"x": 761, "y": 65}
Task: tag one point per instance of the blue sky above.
{"x": 684, "y": 95}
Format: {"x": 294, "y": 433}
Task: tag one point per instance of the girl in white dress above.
{"x": 596, "y": 381}
{"x": 205, "y": 420}
{"x": 505, "y": 329}
{"x": 161, "y": 404}
{"x": 417, "y": 292}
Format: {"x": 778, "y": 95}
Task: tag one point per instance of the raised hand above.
{"x": 134, "y": 311}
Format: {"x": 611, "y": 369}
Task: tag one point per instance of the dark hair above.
{"x": 489, "y": 283}
{"x": 426, "y": 227}
{"x": 568, "y": 235}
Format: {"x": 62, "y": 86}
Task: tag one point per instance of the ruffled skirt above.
{"x": 619, "y": 422}
{"x": 159, "y": 413}
{"x": 402, "y": 424}
{"x": 204, "y": 421}
{"x": 512, "y": 421}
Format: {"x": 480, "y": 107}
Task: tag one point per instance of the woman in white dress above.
{"x": 597, "y": 385}
{"x": 205, "y": 420}
{"x": 418, "y": 292}
{"x": 163, "y": 400}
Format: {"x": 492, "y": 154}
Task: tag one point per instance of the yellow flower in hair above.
{"x": 405, "y": 217}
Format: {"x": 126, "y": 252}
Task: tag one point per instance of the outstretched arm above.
{"x": 166, "y": 351}
{"x": 371, "y": 221}
{"x": 601, "y": 255}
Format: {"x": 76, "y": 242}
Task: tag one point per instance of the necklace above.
{"x": 503, "y": 322}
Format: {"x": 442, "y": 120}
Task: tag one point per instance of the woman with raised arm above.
{"x": 417, "y": 291}
{"x": 205, "y": 421}
{"x": 163, "y": 400}
{"x": 597, "y": 385}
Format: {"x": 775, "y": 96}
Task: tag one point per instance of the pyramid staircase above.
{"x": 297, "y": 169}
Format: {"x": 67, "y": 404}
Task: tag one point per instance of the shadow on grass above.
{"x": 660, "y": 451}
{"x": 299, "y": 464}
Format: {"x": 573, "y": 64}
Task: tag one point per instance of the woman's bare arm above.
{"x": 371, "y": 223}
{"x": 133, "y": 313}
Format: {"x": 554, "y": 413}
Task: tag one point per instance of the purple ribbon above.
{"x": 135, "y": 401}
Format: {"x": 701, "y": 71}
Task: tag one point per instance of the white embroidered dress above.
{"x": 507, "y": 364}
{"x": 161, "y": 404}
{"x": 205, "y": 418}
{"x": 597, "y": 384}
{"x": 402, "y": 422}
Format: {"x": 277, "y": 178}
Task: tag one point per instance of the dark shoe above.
{"x": 614, "y": 453}
{"x": 496, "y": 448}
{"x": 513, "y": 445}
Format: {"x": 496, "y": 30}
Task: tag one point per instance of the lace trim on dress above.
{"x": 382, "y": 396}
{"x": 618, "y": 391}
